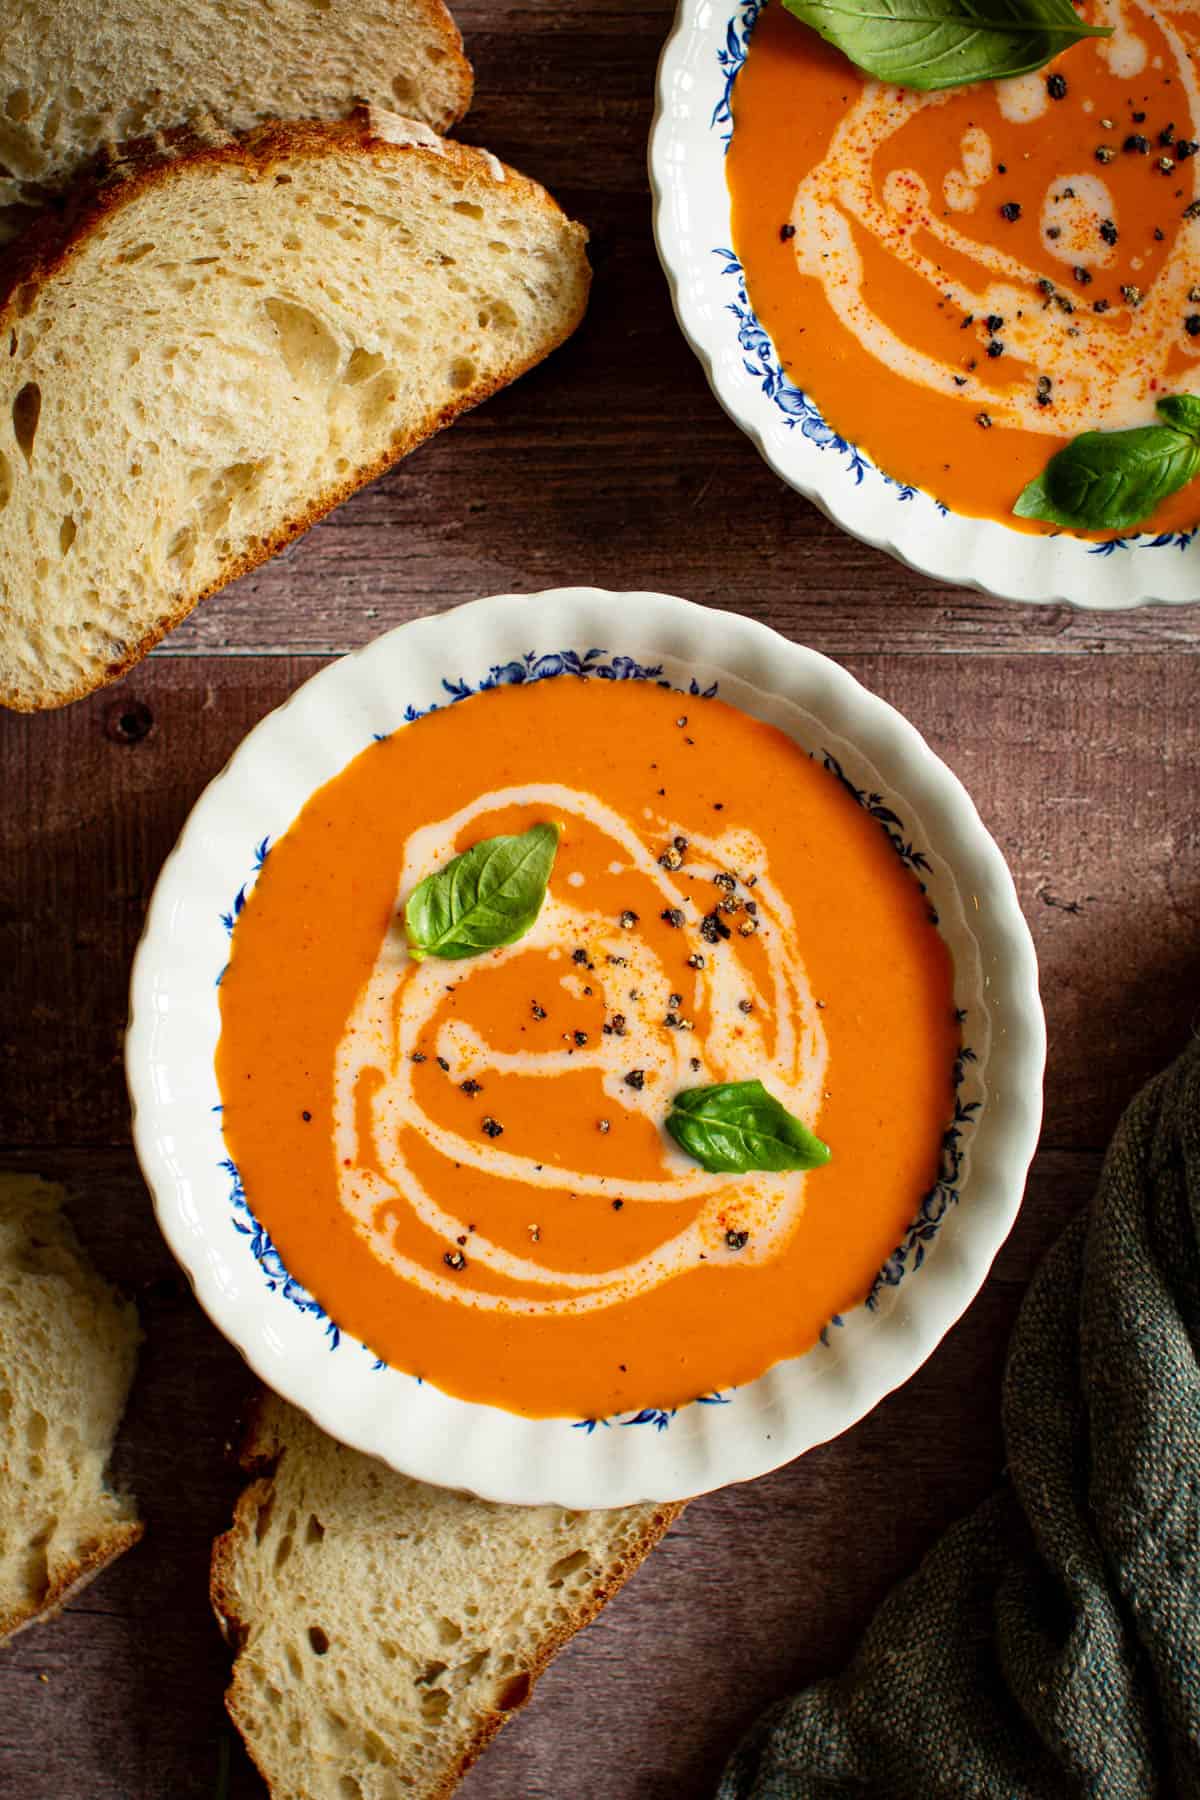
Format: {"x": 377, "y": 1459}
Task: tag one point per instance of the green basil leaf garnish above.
{"x": 930, "y": 44}
{"x": 1182, "y": 411}
{"x": 488, "y": 896}
{"x": 1110, "y": 480}
{"x": 737, "y": 1126}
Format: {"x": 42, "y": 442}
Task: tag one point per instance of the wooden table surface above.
{"x": 1076, "y": 733}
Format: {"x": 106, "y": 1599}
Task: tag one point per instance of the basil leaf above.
{"x": 1182, "y": 411}
{"x": 488, "y": 896}
{"x": 928, "y": 44}
{"x": 737, "y": 1126}
{"x": 1109, "y": 480}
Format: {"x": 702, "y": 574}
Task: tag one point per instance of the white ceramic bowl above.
{"x": 692, "y": 128}
{"x": 174, "y": 1023}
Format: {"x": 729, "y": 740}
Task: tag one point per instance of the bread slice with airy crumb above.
{"x": 67, "y": 1350}
{"x": 77, "y": 76}
{"x": 384, "y": 1629}
{"x": 224, "y": 342}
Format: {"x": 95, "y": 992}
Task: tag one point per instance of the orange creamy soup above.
{"x": 965, "y": 280}
{"x": 575, "y": 1261}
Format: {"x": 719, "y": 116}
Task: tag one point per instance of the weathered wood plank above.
{"x": 1085, "y": 768}
{"x": 758, "y": 1589}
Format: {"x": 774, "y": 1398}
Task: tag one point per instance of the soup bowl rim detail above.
{"x": 284, "y": 1333}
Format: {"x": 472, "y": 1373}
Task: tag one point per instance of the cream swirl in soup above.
{"x": 965, "y": 280}
{"x": 465, "y": 1161}
{"x": 762, "y": 1025}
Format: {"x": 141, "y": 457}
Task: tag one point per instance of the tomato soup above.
{"x": 965, "y": 280}
{"x": 465, "y": 1161}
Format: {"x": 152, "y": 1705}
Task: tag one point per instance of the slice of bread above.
{"x": 385, "y": 1630}
{"x": 67, "y": 1351}
{"x": 226, "y": 341}
{"x": 75, "y": 77}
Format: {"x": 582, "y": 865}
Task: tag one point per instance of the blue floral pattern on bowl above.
{"x": 761, "y": 360}
{"x": 596, "y": 663}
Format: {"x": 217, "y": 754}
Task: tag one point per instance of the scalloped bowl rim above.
{"x": 691, "y": 225}
{"x": 174, "y": 1022}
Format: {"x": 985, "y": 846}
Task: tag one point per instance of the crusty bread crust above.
{"x": 76, "y": 1382}
{"x": 440, "y": 21}
{"x": 261, "y": 1455}
{"x": 72, "y": 1581}
{"x": 115, "y": 183}
{"x": 348, "y": 74}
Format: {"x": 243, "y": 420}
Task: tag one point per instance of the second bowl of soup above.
{"x": 914, "y": 300}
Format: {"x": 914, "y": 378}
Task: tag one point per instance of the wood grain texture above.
{"x": 612, "y": 464}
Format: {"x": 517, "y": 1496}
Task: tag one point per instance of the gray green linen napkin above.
{"x": 1049, "y": 1645}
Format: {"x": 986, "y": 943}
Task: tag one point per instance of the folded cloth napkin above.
{"x": 1049, "y": 1645}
